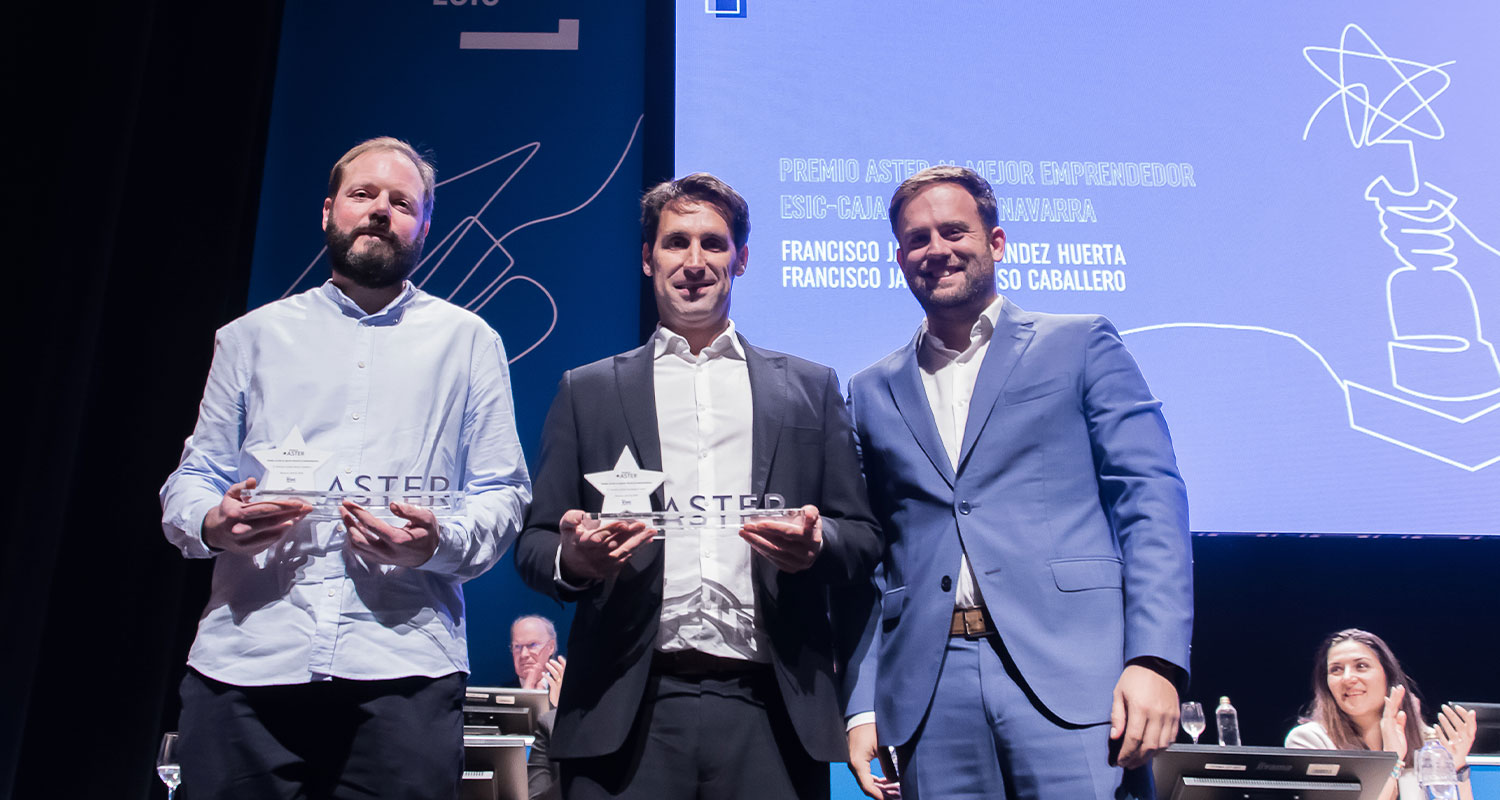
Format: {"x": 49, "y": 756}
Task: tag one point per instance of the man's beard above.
{"x": 375, "y": 267}
{"x": 975, "y": 288}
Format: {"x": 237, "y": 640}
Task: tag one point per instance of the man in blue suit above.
{"x": 1033, "y": 625}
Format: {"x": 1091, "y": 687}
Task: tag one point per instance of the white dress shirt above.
{"x": 949, "y": 377}
{"x": 415, "y": 393}
{"x": 704, "y": 422}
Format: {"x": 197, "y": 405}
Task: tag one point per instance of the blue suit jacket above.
{"x": 1066, "y": 499}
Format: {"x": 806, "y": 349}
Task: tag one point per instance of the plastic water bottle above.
{"x": 1229, "y": 723}
{"x": 1435, "y": 771}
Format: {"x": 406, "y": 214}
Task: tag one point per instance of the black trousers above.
{"x": 399, "y": 739}
{"x": 704, "y": 737}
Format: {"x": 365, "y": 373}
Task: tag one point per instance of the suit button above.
{"x": 947, "y": 583}
{"x": 963, "y": 507}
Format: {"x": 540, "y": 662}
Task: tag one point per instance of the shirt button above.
{"x": 348, "y": 470}
{"x": 332, "y": 591}
{"x": 361, "y": 365}
{"x": 963, "y": 507}
{"x": 947, "y": 583}
{"x": 356, "y": 415}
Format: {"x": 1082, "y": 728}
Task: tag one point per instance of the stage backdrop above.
{"x": 533, "y": 113}
{"x": 1290, "y": 210}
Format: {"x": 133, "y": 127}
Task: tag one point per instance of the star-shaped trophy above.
{"x": 291, "y": 466}
{"x": 291, "y": 473}
{"x": 627, "y": 488}
{"x": 627, "y": 496}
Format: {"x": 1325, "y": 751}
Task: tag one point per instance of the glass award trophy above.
{"x": 291, "y": 474}
{"x": 627, "y": 497}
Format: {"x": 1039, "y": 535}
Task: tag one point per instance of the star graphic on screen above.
{"x": 1381, "y": 95}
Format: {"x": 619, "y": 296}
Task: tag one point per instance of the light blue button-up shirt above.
{"x": 417, "y": 394}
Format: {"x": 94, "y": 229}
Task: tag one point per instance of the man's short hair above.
{"x": 966, "y": 178}
{"x": 423, "y": 165}
{"x": 546, "y": 623}
{"x": 699, "y": 187}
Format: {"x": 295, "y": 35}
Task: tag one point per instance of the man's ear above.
{"x": 327, "y": 207}
{"x": 646, "y": 259}
{"x": 742, "y": 261}
{"x": 997, "y": 242}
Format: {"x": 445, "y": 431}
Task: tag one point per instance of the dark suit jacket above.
{"x": 541, "y": 771}
{"x": 1066, "y": 499}
{"x": 802, "y": 448}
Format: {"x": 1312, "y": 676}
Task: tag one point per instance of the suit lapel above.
{"x": 911, "y": 402}
{"x": 637, "y": 387}
{"x": 768, "y": 399}
{"x": 1011, "y": 337}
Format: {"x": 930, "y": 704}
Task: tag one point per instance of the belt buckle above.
{"x": 970, "y": 633}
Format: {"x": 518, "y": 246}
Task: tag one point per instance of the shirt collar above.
{"x": 665, "y": 341}
{"x": 389, "y": 315}
{"x": 979, "y": 335}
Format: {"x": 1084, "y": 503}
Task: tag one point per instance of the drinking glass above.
{"x": 167, "y": 767}
{"x": 1192, "y": 719}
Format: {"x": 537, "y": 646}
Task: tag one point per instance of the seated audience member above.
{"x": 533, "y": 645}
{"x": 1362, "y": 700}
{"x": 533, "y": 650}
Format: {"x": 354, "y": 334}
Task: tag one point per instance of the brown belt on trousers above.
{"x": 971, "y": 623}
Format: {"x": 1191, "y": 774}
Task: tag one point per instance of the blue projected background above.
{"x": 1292, "y": 216}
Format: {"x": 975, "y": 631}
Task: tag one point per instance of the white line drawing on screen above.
{"x": 566, "y": 38}
{"x": 1440, "y": 360}
{"x": 1443, "y": 371}
{"x": 1404, "y": 412}
{"x": 437, "y": 255}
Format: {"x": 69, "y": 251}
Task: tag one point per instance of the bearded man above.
{"x": 331, "y": 658}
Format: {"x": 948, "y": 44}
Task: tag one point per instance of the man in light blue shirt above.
{"x": 331, "y": 658}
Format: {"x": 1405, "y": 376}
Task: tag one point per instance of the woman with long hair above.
{"x": 1363, "y": 700}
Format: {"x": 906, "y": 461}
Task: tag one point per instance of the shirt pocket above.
{"x": 1080, "y": 574}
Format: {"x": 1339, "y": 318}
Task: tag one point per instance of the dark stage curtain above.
{"x": 138, "y": 134}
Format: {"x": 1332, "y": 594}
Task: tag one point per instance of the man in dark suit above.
{"x": 702, "y": 661}
{"x": 1037, "y": 581}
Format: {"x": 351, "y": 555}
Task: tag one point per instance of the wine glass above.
{"x": 167, "y": 767}
{"x": 1192, "y": 719}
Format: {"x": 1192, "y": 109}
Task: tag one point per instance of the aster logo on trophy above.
{"x": 293, "y": 472}
{"x": 627, "y": 496}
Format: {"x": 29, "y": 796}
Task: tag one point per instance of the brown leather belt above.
{"x": 970, "y": 623}
{"x": 694, "y": 663}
